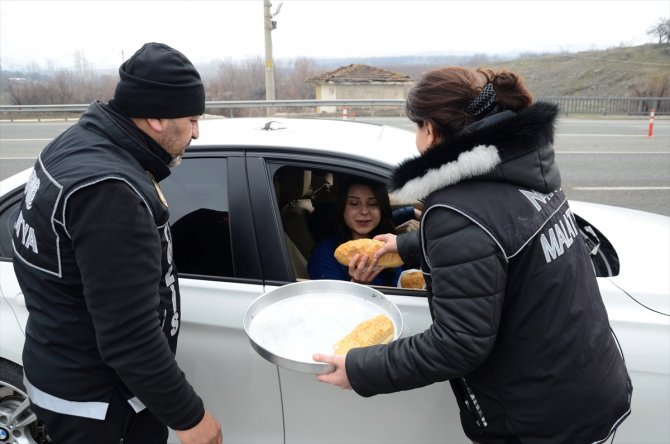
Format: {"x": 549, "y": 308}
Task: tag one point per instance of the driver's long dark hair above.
{"x": 386, "y": 224}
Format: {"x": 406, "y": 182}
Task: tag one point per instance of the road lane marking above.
{"x": 646, "y": 135}
{"x": 26, "y": 140}
{"x": 619, "y": 188}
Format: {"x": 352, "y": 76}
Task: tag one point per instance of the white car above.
{"x": 243, "y": 209}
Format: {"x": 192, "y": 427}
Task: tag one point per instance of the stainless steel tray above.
{"x": 289, "y": 324}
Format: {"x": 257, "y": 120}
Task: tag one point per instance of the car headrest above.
{"x": 323, "y": 188}
{"x": 293, "y": 184}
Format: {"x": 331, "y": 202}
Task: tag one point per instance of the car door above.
{"x": 13, "y": 310}
{"x": 219, "y": 276}
{"x": 319, "y": 413}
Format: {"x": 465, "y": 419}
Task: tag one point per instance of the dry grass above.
{"x": 612, "y": 72}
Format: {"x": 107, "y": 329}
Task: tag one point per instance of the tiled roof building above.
{"x": 359, "y": 81}
{"x": 359, "y": 74}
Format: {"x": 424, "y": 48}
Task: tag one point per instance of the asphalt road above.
{"x": 608, "y": 161}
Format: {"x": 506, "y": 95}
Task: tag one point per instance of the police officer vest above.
{"x": 44, "y": 259}
{"x": 513, "y": 216}
{"x": 553, "y": 325}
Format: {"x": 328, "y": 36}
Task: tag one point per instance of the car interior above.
{"x": 306, "y": 199}
{"x": 293, "y": 190}
{"x": 199, "y": 238}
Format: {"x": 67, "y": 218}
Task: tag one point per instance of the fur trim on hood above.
{"x": 508, "y": 146}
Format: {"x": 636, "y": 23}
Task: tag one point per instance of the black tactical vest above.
{"x": 44, "y": 260}
{"x": 554, "y": 339}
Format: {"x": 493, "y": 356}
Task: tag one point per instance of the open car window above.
{"x": 306, "y": 200}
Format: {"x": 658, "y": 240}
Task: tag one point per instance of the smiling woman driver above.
{"x": 363, "y": 210}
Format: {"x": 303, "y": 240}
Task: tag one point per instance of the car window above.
{"x": 197, "y": 195}
{"x": 306, "y": 199}
{"x": 293, "y": 190}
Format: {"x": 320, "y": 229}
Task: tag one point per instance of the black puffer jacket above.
{"x": 519, "y": 327}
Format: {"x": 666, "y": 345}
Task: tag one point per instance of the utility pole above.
{"x": 269, "y": 25}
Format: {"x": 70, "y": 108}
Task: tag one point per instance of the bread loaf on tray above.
{"x": 377, "y": 330}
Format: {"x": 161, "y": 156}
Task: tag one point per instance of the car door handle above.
{"x": 20, "y": 299}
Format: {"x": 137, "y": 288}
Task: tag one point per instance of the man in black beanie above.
{"x": 98, "y": 276}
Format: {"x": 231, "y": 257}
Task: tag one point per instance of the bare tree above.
{"x": 223, "y": 83}
{"x": 60, "y": 88}
{"x": 80, "y": 85}
{"x": 254, "y": 79}
{"x": 652, "y": 86}
{"x": 293, "y": 77}
{"x": 661, "y": 30}
{"x": 81, "y": 64}
{"x": 14, "y": 91}
{"x": 238, "y": 81}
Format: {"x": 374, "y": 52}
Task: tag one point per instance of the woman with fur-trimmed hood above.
{"x": 519, "y": 327}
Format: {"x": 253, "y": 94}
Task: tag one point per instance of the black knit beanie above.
{"x": 159, "y": 82}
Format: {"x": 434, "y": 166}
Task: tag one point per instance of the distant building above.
{"x": 359, "y": 82}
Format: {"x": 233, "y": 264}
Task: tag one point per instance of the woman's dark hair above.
{"x": 441, "y": 96}
{"x": 379, "y": 190}
{"x": 385, "y": 225}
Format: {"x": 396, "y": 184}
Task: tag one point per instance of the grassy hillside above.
{"x": 612, "y": 72}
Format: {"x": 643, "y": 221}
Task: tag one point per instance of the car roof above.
{"x": 383, "y": 143}
{"x": 13, "y": 182}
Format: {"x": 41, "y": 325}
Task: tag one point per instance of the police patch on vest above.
{"x": 158, "y": 190}
{"x": 36, "y": 243}
{"x": 558, "y": 235}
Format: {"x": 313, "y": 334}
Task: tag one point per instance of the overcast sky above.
{"x": 49, "y": 33}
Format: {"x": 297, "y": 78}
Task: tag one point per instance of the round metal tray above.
{"x": 289, "y": 324}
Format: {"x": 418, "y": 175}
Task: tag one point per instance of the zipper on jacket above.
{"x": 472, "y": 404}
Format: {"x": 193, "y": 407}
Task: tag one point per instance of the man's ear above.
{"x": 155, "y": 124}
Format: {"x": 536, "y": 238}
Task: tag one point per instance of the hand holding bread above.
{"x": 346, "y": 251}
